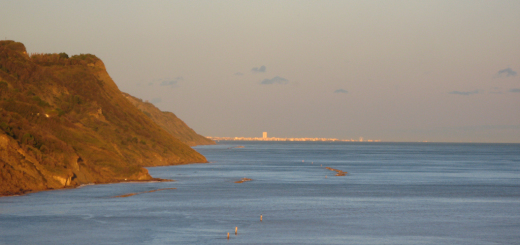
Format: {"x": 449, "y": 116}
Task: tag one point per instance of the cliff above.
{"x": 64, "y": 122}
{"x": 170, "y": 122}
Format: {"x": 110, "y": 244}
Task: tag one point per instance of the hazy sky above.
{"x": 389, "y": 70}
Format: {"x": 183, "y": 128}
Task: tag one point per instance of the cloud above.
{"x": 277, "y": 79}
{"x": 464, "y": 92}
{"x": 170, "y": 82}
{"x": 515, "y": 90}
{"x": 239, "y": 74}
{"x": 341, "y": 91}
{"x": 508, "y": 72}
{"x": 150, "y": 84}
{"x": 156, "y": 100}
{"x": 258, "y": 69}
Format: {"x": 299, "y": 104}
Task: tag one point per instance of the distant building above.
{"x": 265, "y": 135}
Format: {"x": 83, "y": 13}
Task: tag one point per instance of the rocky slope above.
{"x": 64, "y": 122}
{"x": 170, "y": 122}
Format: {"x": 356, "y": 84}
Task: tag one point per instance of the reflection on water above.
{"x": 393, "y": 194}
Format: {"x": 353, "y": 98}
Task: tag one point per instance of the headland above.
{"x": 65, "y": 123}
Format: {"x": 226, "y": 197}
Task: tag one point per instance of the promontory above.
{"x": 64, "y": 122}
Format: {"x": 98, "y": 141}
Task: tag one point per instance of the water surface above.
{"x": 395, "y": 193}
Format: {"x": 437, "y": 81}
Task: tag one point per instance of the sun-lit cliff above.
{"x": 64, "y": 122}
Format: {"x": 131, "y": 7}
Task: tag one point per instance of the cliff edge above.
{"x": 170, "y": 122}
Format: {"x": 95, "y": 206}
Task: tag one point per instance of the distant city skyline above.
{"x": 287, "y": 139}
{"x": 265, "y": 138}
{"x": 441, "y": 71}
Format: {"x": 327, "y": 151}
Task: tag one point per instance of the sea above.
{"x": 394, "y": 193}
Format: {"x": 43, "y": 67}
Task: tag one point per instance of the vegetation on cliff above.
{"x": 170, "y": 122}
{"x": 64, "y": 122}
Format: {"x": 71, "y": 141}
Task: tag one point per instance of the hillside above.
{"x": 64, "y": 122}
{"x": 170, "y": 122}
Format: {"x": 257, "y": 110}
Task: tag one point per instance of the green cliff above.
{"x": 64, "y": 122}
{"x": 169, "y": 122}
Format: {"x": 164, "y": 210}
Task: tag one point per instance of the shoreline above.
{"x": 152, "y": 180}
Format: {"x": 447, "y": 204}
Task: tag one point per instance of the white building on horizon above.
{"x": 264, "y": 135}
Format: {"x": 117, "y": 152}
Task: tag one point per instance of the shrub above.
{"x": 28, "y": 139}
{"x": 147, "y": 114}
{"x": 40, "y": 102}
{"x": 6, "y": 129}
{"x": 3, "y": 87}
{"x": 16, "y": 46}
{"x": 77, "y": 99}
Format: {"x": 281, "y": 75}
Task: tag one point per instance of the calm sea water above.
{"x": 395, "y": 193}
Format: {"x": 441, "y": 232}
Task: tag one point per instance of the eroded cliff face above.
{"x": 64, "y": 122}
{"x": 21, "y": 173}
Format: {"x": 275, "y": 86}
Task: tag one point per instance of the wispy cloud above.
{"x": 171, "y": 82}
{"x": 259, "y": 69}
{"x": 168, "y": 83}
{"x": 341, "y": 91}
{"x": 277, "y": 79}
{"x": 239, "y": 74}
{"x": 464, "y": 92}
{"x": 508, "y": 72}
{"x": 515, "y": 90}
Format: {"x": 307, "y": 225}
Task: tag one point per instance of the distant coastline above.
{"x": 288, "y": 139}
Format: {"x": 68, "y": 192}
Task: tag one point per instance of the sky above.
{"x": 440, "y": 71}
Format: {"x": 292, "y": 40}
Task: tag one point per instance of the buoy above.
{"x": 325, "y": 176}
{"x": 236, "y": 230}
{"x": 260, "y": 218}
{"x": 228, "y": 235}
